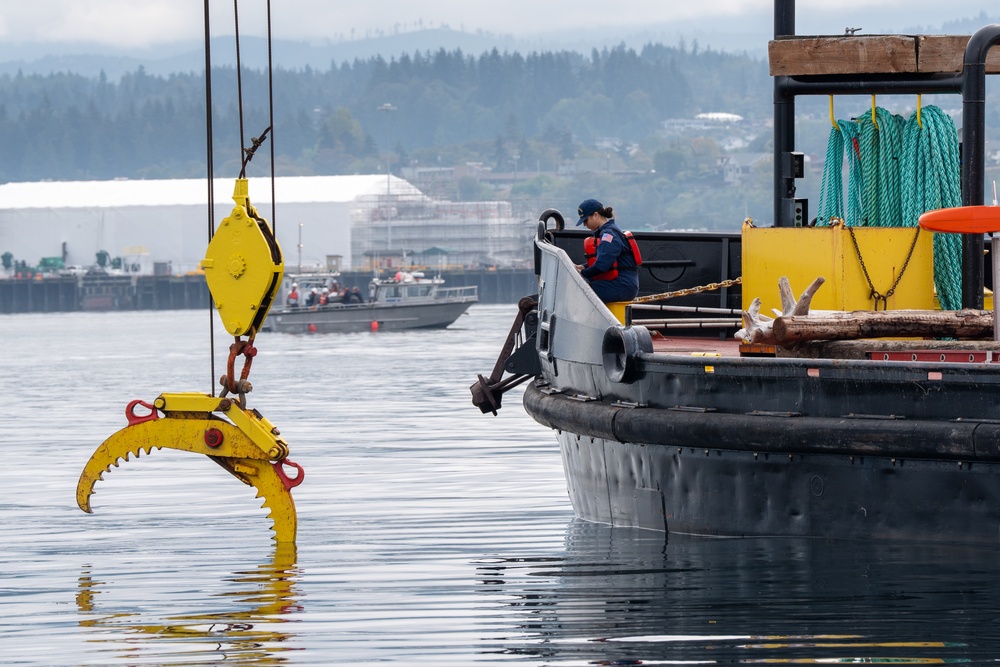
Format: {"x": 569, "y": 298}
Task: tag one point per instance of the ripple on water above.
{"x": 428, "y": 533}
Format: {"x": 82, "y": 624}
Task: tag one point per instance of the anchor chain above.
{"x": 874, "y": 294}
{"x": 663, "y": 296}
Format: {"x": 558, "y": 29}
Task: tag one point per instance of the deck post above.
{"x": 974, "y": 157}
{"x": 784, "y": 123}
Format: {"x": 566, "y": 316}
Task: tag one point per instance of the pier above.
{"x": 177, "y": 292}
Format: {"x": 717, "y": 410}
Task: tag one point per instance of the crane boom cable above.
{"x": 270, "y": 116}
{"x": 239, "y": 76}
{"x": 210, "y": 165}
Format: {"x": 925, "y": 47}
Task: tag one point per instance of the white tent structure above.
{"x": 167, "y": 220}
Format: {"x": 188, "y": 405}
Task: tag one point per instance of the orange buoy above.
{"x": 374, "y": 326}
{"x": 312, "y": 328}
{"x": 963, "y": 220}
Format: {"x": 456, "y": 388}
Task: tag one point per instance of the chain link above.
{"x": 690, "y": 290}
{"x": 875, "y": 295}
{"x": 229, "y": 382}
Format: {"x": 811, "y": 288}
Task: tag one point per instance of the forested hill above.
{"x": 450, "y": 107}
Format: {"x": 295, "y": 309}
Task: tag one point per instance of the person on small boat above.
{"x": 614, "y": 274}
{"x": 353, "y": 295}
{"x": 293, "y": 296}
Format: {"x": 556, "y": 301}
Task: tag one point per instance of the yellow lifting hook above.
{"x": 243, "y": 269}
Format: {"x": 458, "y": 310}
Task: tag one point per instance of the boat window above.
{"x": 393, "y": 292}
{"x": 418, "y": 290}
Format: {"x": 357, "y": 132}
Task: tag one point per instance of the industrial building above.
{"x": 340, "y": 222}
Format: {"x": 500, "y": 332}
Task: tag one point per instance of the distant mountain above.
{"x": 729, "y": 34}
{"x": 92, "y": 59}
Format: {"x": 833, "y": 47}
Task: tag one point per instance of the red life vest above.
{"x": 590, "y": 252}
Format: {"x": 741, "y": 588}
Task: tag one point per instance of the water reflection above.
{"x": 249, "y": 629}
{"x": 620, "y": 596}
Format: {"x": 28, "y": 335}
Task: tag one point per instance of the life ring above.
{"x": 620, "y": 351}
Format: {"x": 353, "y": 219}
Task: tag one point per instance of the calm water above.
{"x": 428, "y": 533}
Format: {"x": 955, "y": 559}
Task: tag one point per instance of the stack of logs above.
{"x": 795, "y": 324}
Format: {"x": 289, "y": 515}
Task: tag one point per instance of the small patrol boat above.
{"x": 405, "y": 301}
{"x": 862, "y": 410}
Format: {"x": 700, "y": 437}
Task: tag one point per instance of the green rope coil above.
{"x": 931, "y": 162}
{"x": 897, "y": 170}
{"x": 831, "y": 199}
{"x": 880, "y": 144}
{"x": 831, "y": 191}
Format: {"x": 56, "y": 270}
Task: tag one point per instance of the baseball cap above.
{"x": 587, "y": 208}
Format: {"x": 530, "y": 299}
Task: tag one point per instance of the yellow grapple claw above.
{"x": 243, "y": 269}
{"x": 273, "y": 487}
{"x": 216, "y": 438}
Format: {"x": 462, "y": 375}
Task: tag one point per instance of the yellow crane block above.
{"x": 243, "y": 266}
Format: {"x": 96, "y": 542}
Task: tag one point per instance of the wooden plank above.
{"x": 942, "y": 53}
{"x": 872, "y": 54}
{"x": 845, "y": 54}
{"x": 946, "y": 53}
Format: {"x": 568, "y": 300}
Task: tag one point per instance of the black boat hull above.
{"x": 729, "y": 488}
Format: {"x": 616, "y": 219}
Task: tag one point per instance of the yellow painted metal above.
{"x": 617, "y": 309}
{"x": 261, "y": 431}
{"x": 190, "y": 401}
{"x": 243, "y": 269}
{"x": 234, "y": 450}
{"x": 263, "y": 476}
{"x": 805, "y": 253}
{"x": 987, "y": 299}
{"x": 243, "y": 266}
{"x": 256, "y": 427}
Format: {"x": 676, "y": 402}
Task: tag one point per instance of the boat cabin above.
{"x": 404, "y": 286}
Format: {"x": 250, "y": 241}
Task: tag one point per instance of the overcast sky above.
{"x": 138, "y": 23}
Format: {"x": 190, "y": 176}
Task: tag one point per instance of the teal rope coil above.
{"x": 881, "y": 142}
{"x": 931, "y": 162}
{"x": 844, "y": 137}
{"x": 831, "y": 191}
{"x": 855, "y": 176}
{"x": 896, "y": 171}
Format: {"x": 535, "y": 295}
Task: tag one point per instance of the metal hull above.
{"x": 367, "y": 317}
{"x": 739, "y": 446}
{"x": 723, "y": 490}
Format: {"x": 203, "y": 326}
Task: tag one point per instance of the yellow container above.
{"x": 804, "y": 253}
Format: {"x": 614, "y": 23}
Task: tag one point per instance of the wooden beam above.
{"x": 881, "y": 324}
{"x": 871, "y": 54}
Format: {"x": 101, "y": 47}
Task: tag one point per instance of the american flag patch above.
{"x": 607, "y": 237}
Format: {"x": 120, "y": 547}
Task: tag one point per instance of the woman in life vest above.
{"x": 613, "y": 274}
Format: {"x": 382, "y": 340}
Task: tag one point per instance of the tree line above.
{"x": 450, "y": 108}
